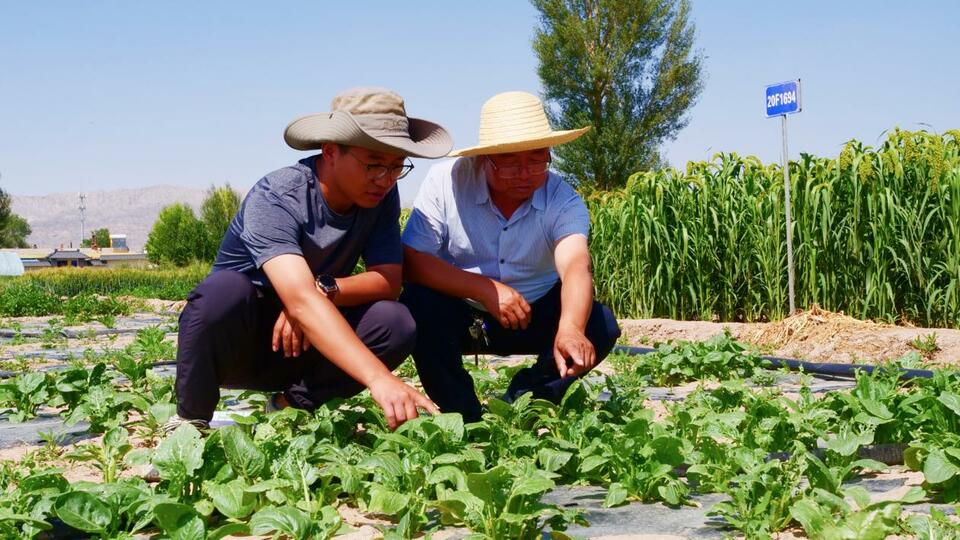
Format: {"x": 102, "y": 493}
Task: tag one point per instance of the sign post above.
{"x": 783, "y": 99}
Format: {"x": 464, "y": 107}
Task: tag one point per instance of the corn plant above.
{"x": 876, "y": 235}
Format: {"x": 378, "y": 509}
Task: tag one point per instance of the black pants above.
{"x": 225, "y": 338}
{"x": 443, "y": 338}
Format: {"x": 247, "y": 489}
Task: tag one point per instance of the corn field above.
{"x": 876, "y": 235}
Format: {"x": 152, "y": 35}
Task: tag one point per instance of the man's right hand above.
{"x": 508, "y": 306}
{"x": 399, "y": 400}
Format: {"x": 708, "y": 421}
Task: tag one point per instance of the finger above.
{"x": 295, "y": 342}
{"x": 526, "y": 310}
{"x": 590, "y": 355}
{"x": 403, "y": 413}
{"x": 561, "y": 361}
{"x": 576, "y": 355}
{"x": 515, "y": 325}
{"x": 399, "y": 413}
{"x": 575, "y": 368}
{"x": 287, "y": 336}
{"x": 391, "y": 416}
{"x": 579, "y": 363}
{"x": 425, "y": 403}
{"x": 306, "y": 342}
{"x": 511, "y": 319}
{"x": 525, "y": 306}
{"x": 585, "y": 362}
{"x": 523, "y": 318}
{"x": 411, "y": 409}
{"x": 520, "y": 315}
{"x": 277, "y": 328}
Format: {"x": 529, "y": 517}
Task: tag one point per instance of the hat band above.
{"x": 384, "y": 125}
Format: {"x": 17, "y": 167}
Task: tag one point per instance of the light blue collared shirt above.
{"x": 455, "y": 220}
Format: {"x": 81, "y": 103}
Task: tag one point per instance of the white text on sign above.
{"x": 781, "y": 98}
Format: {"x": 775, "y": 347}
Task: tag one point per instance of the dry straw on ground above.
{"x": 814, "y": 325}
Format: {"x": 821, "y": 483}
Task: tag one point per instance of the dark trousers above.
{"x": 225, "y": 338}
{"x": 443, "y": 324}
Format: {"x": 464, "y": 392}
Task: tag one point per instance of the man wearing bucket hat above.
{"x": 281, "y": 312}
{"x": 496, "y": 261}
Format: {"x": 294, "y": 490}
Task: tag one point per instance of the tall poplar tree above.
{"x": 626, "y": 67}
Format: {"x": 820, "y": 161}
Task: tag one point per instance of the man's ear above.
{"x": 331, "y": 151}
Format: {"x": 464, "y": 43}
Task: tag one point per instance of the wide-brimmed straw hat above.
{"x": 373, "y": 118}
{"x": 516, "y": 122}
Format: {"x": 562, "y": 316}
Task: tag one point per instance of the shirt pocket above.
{"x": 467, "y": 244}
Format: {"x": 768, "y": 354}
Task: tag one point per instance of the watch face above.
{"x": 327, "y": 282}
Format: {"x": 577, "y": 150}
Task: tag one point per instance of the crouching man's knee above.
{"x": 389, "y": 331}
{"x": 603, "y": 329}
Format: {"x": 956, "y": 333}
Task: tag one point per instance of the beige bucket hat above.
{"x": 373, "y": 118}
{"x": 515, "y": 122}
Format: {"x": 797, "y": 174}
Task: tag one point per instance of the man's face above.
{"x": 364, "y": 177}
{"x": 516, "y": 176}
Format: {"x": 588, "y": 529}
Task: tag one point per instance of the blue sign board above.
{"x": 783, "y": 98}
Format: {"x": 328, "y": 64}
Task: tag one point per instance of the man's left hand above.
{"x": 572, "y": 344}
{"x": 289, "y": 336}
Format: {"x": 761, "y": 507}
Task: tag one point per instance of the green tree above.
{"x": 216, "y": 212}
{"x": 176, "y": 237}
{"x": 625, "y": 67}
{"x": 14, "y": 230}
{"x": 102, "y": 237}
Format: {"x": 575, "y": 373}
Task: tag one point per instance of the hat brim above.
{"x": 426, "y": 139}
{"x": 554, "y": 139}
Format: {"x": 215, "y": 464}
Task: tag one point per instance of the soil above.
{"x": 814, "y": 335}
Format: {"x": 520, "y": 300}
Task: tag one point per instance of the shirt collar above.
{"x": 539, "y": 198}
{"x": 483, "y": 189}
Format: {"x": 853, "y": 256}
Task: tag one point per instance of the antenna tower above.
{"x": 83, "y": 209}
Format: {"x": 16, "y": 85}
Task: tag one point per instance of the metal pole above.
{"x": 786, "y": 198}
{"x": 83, "y": 208}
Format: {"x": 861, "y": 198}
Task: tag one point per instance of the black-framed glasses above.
{"x": 533, "y": 168}
{"x": 377, "y": 171}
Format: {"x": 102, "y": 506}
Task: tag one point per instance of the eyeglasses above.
{"x": 376, "y": 171}
{"x": 533, "y": 168}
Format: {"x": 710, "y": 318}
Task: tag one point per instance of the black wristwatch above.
{"x": 328, "y": 285}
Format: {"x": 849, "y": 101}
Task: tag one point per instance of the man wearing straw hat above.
{"x": 496, "y": 261}
{"x": 281, "y": 312}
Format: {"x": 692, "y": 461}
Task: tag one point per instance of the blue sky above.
{"x": 104, "y": 95}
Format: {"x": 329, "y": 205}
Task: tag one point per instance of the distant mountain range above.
{"x": 55, "y": 218}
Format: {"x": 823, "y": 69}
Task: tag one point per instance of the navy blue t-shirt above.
{"x": 285, "y": 213}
